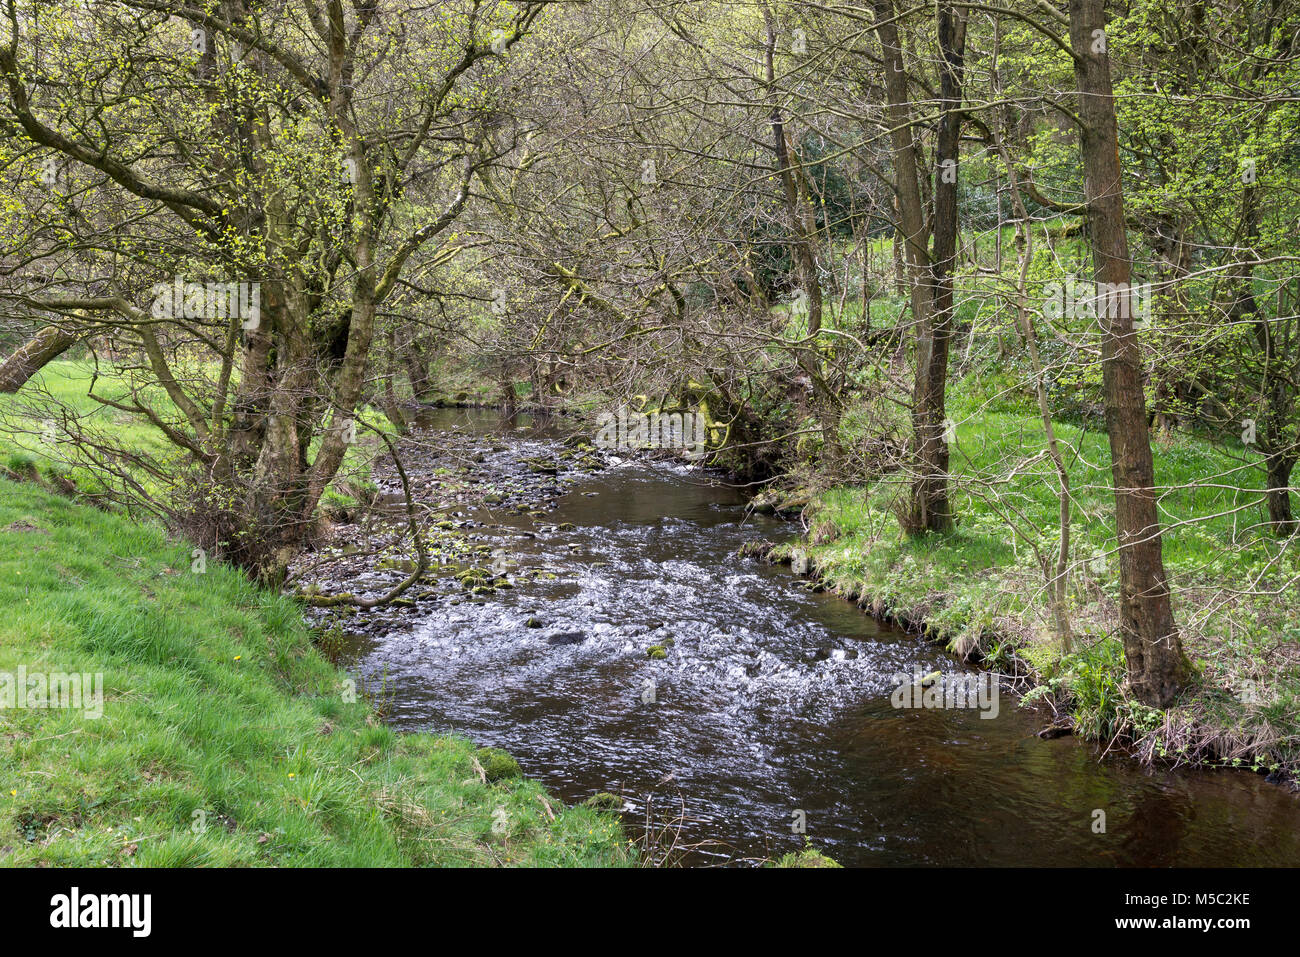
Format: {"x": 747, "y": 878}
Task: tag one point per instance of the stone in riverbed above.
{"x": 566, "y": 638}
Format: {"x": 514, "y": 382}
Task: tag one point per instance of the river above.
{"x": 771, "y": 711}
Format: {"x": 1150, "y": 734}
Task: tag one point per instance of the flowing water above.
{"x": 772, "y": 706}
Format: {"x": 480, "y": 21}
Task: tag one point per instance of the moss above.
{"x": 498, "y": 765}
{"x": 808, "y": 857}
{"x": 655, "y": 652}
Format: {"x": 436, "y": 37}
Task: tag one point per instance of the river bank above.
{"x": 223, "y": 737}
{"x": 987, "y": 605}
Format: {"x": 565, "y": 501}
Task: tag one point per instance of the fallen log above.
{"x": 46, "y": 346}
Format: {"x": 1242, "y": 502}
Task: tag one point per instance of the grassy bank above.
{"x": 36, "y": 423}
{"x": 225, "y": 738}
{"x": 982, "y": 592}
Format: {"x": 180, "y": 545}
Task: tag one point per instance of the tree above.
{"x": 929, "y": 271}
{"x": 1157, "y": 667}
{"x": 244, "y": 185}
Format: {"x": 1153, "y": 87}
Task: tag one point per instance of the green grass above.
{"x": 226, "y": 739}
{"x": 35, "y": 425}
{"x": 34, "y": 422}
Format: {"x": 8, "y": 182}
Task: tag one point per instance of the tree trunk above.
{"x": 799, "y": 219}
{"x": 928, "y": 508}
{"x": 900, "y": 271}
{"x": 1276, "y": 378}
{"x": 388, "y": 396}
{"x": 509, "y": 401}
{"x": 930, "y": 494}
{"x": 1157, "y": 667}
{"x": 1279, "y": 469}
{"x": 32, "y": 356}
{"x": 415, "y": 357}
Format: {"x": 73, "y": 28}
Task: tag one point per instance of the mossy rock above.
{"x": 656, "y": 652}
{"x": 498, "y": 765}
{"x": 604, "y": 801}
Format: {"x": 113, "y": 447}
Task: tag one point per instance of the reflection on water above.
{"x": 771, "y": 701}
